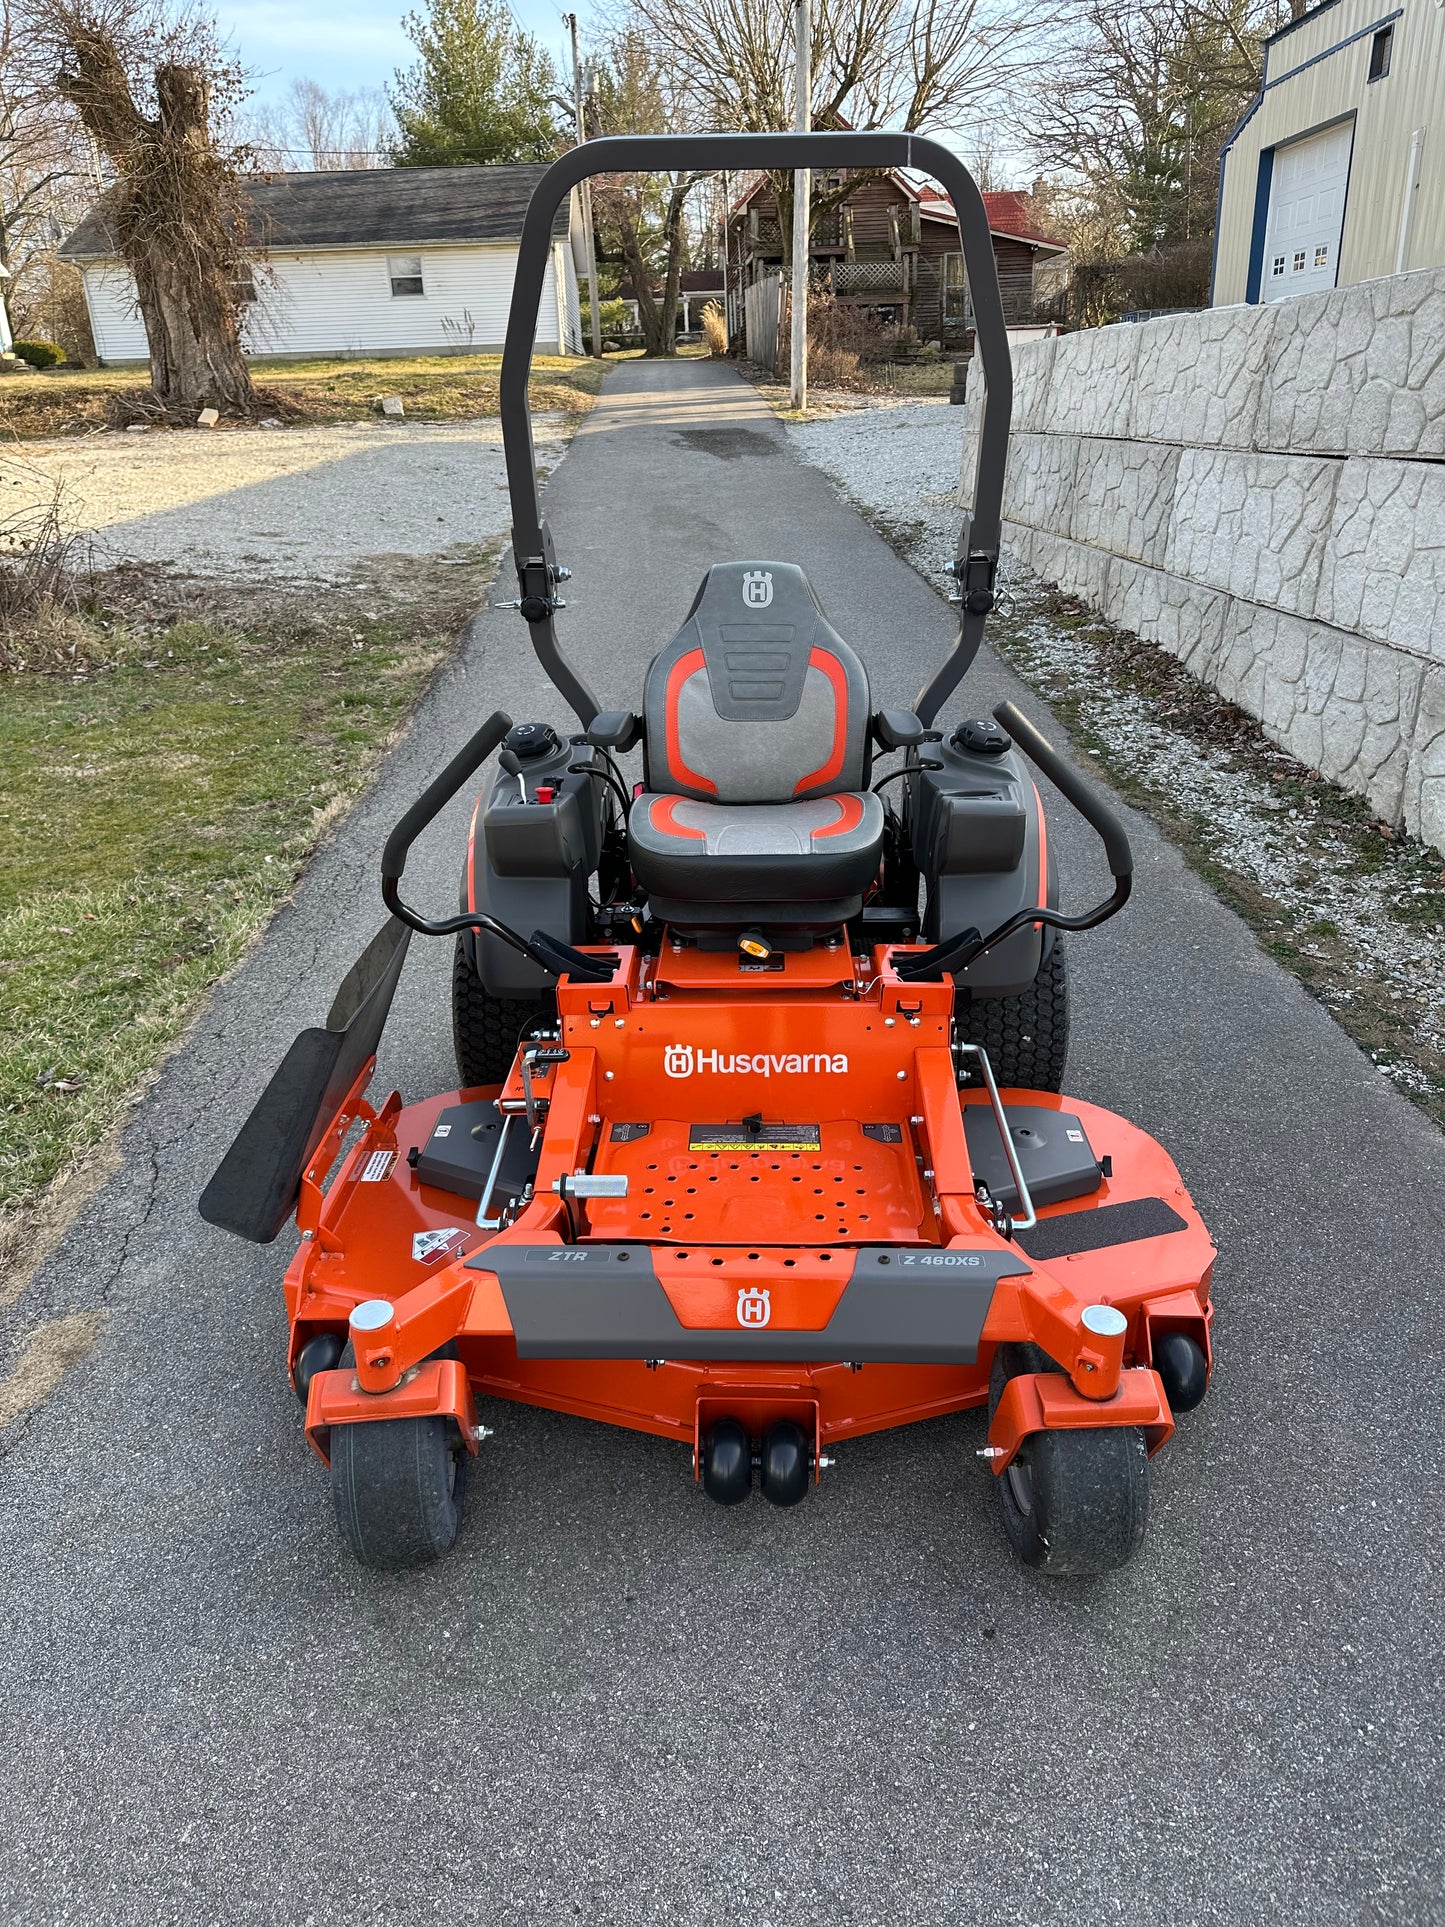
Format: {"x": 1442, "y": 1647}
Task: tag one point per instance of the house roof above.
{"x": 367, "y": 207}
{"x": 1008, "y": 217}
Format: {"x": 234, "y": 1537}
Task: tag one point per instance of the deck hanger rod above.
{"x": 976, "y": 566}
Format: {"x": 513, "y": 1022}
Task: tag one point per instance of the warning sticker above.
{"x": 378, "y": 1166}
{"x": 428, "y": 1246}
{"x": 754, "y": 1135}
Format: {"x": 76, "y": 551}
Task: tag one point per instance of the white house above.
{"x": 1337, "y": 172}
{"x": 370, "y": 261}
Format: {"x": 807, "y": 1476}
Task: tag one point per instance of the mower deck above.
{"x": 771, "y": 1257}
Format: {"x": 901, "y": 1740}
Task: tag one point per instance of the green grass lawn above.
{"x": 433, "y": 387}
{"x": 156, "y": 811}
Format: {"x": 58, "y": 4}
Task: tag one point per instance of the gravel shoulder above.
{"x": 287, "y": 504}
{"x": 1354, "y": 908}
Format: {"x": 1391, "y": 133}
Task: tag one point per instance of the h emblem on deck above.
{"x": 755, "y": 1307}
{"x": 757, "y": 588}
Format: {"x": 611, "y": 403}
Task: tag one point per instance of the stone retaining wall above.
{"x": 1261, "y": 490}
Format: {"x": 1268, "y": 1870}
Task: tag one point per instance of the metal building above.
{"x": 1337, "y": 172}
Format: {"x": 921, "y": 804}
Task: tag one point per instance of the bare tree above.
{"x": 150, "y": 88}
{"x": 42, "y": 152}
{"x": 1135, "y": 106}
{"x": 913, "y": 64}
{"x": 310, "y": 128}
{"x": 642, "y": 217}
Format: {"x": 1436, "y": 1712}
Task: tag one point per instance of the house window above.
{"x": 1279, "y": 264}
{"x": 1380, "y": 53}
{"x": 405, "y": 272}
{"x": 1299, "y": 261}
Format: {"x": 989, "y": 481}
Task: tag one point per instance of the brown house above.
{"x": 892, "y": 247}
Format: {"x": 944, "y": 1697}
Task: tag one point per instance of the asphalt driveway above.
{"x": 615, "y": 1702}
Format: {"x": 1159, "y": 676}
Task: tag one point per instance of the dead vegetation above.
{"x": 42, "y": 570}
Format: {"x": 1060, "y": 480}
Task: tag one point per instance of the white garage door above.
{"x": 1306, "y": 213}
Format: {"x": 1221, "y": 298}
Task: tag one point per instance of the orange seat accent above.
{"x": 663, "y": 816}
{"x": 838, "y": 677}
{"x": 850, "y": 815}
{"x": 685, "y": 667}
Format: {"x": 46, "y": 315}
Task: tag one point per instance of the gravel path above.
{"x": 299, "y": 504}
{"x": 898, "y": 463}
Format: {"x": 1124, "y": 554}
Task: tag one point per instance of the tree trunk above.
{"x": 671, "y": 283}
{"x": 640, "y": 275}
{"x": 178, "y": 215}
{"x": 195, "y": 349}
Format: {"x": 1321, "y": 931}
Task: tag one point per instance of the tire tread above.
{"x": 1026, "y": 1037}
{"x": 486, "y": 1030}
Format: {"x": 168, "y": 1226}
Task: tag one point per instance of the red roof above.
{"x": 1008, "y": 213}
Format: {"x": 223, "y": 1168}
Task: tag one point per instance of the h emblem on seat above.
{"x": 757, "y": 588}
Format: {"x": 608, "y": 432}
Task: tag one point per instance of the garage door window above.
{"x": 405, "y": 272}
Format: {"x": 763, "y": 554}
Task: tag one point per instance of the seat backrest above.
{"x": 756, "y": 699}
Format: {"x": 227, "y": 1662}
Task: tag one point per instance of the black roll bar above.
{"x": 976, "y": 564}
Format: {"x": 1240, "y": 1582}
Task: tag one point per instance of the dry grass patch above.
{"x": 433, "y": 388}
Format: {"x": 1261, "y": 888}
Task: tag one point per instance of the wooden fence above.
{"x": 767, "y": 316}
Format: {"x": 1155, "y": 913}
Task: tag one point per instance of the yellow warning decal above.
{"x": 755, "y": 1137}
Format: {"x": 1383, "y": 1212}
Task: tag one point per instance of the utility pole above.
{"x": 802, "y": 184}
{"x": 727, "y": 204}
{"x": 594, "y": 294}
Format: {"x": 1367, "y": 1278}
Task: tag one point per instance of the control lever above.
{"x": 548, "y": 953}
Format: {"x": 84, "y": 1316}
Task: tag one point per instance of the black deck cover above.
{"x": 909, "y": 1305}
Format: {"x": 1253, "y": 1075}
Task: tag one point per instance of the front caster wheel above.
{"x": 1073, "y": 1502}
{"x": 727, "y": 1462}
{"x": 397, "y": 1485}
{"x": 785, "y": 1468}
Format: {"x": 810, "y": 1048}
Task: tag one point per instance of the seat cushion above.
{"x": 757, "y": 699}
{"x": 818, "y": 851}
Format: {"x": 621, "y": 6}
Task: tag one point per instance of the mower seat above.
{"x": 756, "y": 805}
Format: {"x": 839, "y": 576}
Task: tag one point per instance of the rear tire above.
{"x": 397, "y": 1486}
{"x": 1026, "y": 1037}
{"x": 1073, "y": 1502}
{"x": 486, "y": 1029}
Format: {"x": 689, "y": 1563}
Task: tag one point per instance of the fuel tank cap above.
{"x": 981, "y": 736}
{"x": 532, "y": 739}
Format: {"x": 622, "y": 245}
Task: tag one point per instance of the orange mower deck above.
{"x": 844, "y": 1213}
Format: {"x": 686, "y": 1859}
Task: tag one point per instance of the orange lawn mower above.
{"x": 758, "y": 1142}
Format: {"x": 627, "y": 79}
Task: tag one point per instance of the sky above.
{"x": 347, "y": 43}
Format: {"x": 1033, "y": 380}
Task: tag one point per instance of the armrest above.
{"x": 617, "y": 729}
{"x": 901, "y": 729}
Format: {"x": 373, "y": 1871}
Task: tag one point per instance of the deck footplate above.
{"x": 1108, "y": 1224}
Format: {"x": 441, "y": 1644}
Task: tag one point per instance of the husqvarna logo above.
{"x": 681, "y": 1060}
{"x": 757, "y": 588}
{"x": 755, "y": 1307}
